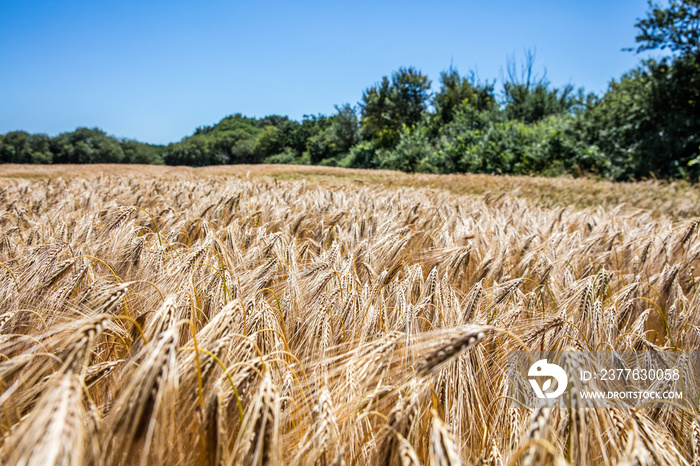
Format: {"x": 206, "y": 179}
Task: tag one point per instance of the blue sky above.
{"x": 156, "y": 70}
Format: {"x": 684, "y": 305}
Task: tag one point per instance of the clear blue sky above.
{"x": 155, "y": 70}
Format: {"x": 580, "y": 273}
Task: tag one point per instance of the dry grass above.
{"x": 176, "y": 316}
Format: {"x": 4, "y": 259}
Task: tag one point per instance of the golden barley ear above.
{"x": 56, "y": 431}
{"x": 142, "y": 415}
{"x": 443, "y": 451}
{"x": 462, "y": 338}
{"x": 407, "y": 455}
{"x": 258, "y": 441}
{"x": 490, "y": 458}
{"x": 213, "y": 429}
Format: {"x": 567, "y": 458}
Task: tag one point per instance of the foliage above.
{"x": 299, "y": 135}
{"x": 648, "y": 123}
{"x": 676, "y": 27}
{"x": 139, "y": 152}
{"x": 22, "y": 147}
{"x": 83, "y": 145}
{"x": 194, "y": 151}
{"x": 531, "y": 103}
{"x": 86, "y": 145}
{"x": 392, "y": 104}
{"x": 488, "y": 142}
{"x": 530, "y": 98}
{"x": 285, "y": 157}
{"x": 361, "y": 155}
{"x": 413, "y": 147}
{"x": 337, "y": 138}
{"x": 455, "y": 90}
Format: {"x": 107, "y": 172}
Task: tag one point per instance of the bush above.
{"x": 413, "y": 147}
{"x": 362, "y": 155}
{"x": 285, "y": 157}
{"x": 648, "y": 122}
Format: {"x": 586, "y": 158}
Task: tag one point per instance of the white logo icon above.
{"x": 543, "y": 369}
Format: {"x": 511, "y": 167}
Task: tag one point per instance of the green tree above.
{"x": 392, "y": 104}
{"x": 22, "y": 147}
{"x": 647, "y": 123}
{"x": 195, "y": 151}
{"x": 300, "y": 136}
{"x": 529, "y": 97}
{"x": 269, "y": 142}
{"x": 15, "y": 147}
{"x": 414, "y": 146}
{"x": 361, "y": 155}
{"x": 231, "y": 140}
{"x": 676, "y": 27}
{"x": 455, "y": 90}
{"x": 86, "y": 145}
{"x": 40, "y": 147}
{"x": 139, "y": 152}
{"x": 337, "y": 138}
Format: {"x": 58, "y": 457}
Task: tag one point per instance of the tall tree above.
{"x": 392, "y": 104}
{"x": 86, "y": 145}
{"x": 456, "y": 90}
{"x": 529, "y": 97}
{"x": 676, "y": 27}
{"x": 338, "y": 137}
{"x": 648, "y": 122}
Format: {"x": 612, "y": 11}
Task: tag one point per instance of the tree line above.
{"x": 646, "y": 124}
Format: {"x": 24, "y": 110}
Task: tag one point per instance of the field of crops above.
{"x": 184, "y": 317}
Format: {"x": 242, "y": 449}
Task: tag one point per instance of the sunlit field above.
{"x": 320, "y": 316}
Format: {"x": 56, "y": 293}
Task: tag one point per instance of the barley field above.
{"x": 267, "y": 315}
